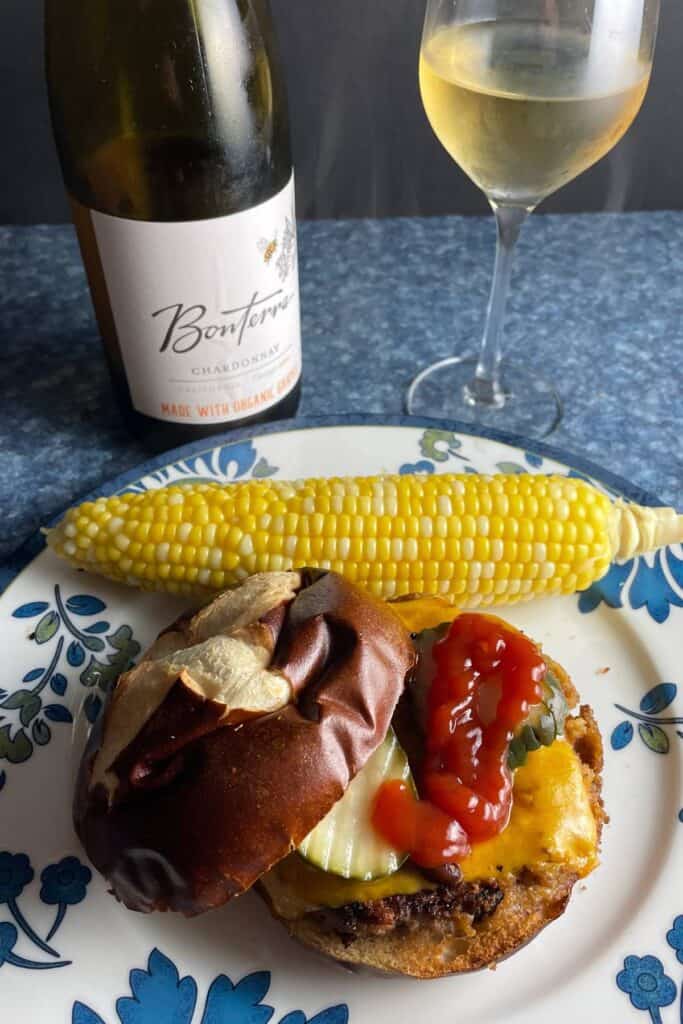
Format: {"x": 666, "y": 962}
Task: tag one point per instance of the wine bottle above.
{"x": 171, "y": 124}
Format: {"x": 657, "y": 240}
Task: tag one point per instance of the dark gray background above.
{"x": 362, "y": 145}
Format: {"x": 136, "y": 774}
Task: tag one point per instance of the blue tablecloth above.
{"x": 597, "y": 305}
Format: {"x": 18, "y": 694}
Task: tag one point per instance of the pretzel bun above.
{"x": 235, "y": 735}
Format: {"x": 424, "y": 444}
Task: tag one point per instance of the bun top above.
{"x": 235, "y": 735}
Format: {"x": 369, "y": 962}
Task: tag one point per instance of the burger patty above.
{"x": 378, "y": 917}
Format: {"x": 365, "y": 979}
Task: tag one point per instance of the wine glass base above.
{"x": 530, "y": 406}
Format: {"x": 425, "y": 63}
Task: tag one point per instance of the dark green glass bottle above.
{"x": 170, "y": 118}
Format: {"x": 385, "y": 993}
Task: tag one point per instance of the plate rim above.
{"x": 12, "y": 565}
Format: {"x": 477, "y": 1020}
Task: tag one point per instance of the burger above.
{"x": 408, "y": 788}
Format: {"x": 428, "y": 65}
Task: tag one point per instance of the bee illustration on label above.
{"x": 267, "y": 248}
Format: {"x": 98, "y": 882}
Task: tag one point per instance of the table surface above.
{"x": 597, "y": 305}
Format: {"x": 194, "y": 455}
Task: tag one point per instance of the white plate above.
{"x": 615, "y": 955}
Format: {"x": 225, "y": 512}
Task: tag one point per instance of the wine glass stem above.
{"x": 485, "y": 389}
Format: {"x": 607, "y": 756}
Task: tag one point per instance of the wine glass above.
{"x": 524, "y": 95}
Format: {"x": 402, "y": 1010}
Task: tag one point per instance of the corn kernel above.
{"x": 175, "y": 554}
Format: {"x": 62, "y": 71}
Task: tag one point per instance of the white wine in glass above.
{"x": 524, "y": 96}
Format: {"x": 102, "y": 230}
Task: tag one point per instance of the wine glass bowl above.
{"x": 524, "y": 95}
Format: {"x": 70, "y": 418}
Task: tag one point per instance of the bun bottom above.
{"x": 531, "y": 899}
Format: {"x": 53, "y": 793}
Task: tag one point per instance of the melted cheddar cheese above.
{"x": 295, "y": 887}
{"x": 551, "y": 823}
{"x": 418, "y": 613}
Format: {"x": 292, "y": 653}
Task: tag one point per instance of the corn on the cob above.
{"x": 478, "y": 540}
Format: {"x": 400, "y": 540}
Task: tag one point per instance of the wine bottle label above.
{"x": 206, "y": 311}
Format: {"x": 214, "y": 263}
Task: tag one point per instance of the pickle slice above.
{"x": 544, "y": 723}
{"x": 345, "y": 842}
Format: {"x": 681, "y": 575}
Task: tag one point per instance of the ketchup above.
{"x": 487, "y": 676}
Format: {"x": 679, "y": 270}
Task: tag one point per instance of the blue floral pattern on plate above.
{"x": 675, "y": 937}
{"x": 224, "y": 463}
{"x": 649, "y": 721}
{"x": 654, "y": 582}
{"x": 644, "y": 981}
{"x": 160, "y": 996}
{"x": 63, "y": 884}
{"x": 648, "y": 987}
{"x": 92, "y": 646}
